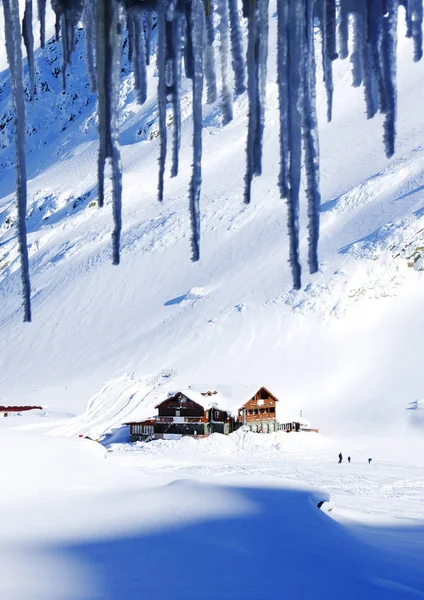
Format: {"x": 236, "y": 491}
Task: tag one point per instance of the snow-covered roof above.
{"x": 228, "y": 397}
{"x": 231, "y": 397}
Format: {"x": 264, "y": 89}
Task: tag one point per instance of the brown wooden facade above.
{"x": 181, "y": 415}
{"x": 261, "y": 407}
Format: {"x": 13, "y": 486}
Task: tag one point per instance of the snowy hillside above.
{"x": 233, "y": 316}
{"x": 226, "y": 517}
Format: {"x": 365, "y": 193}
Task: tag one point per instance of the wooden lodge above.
{"x": 184, "y": 413}
{"x": 259, "y": 413}
{"x": 199, "y": 413}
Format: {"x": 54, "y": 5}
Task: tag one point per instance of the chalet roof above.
{"x": 231, "y": 397}
{"x": 191, "y": 394}
{"x": 228, "y": 397}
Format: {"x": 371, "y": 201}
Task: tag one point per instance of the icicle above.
{"x": 29, "y": 43}
{"x": 223, "y": 29}
{"x": 369, "y": 79}
{"x": 310, "y": 138}
{"x": 12, "y": 33}
{"x": 343, "y": 30}
{"x": 138, "y": 46}
{"x": 282, "y": 80}
{"x": 108, "y": 65}
{"x": 130, "y": 35}
{"x": 358, "y": 28}
{"x": 257, "y": 54}
{"x": 89, "y": 19}
{"x": 188, "y": 54}
{"x": 177, "y": 45}
{"x": 237, "y": 49}
{"x": 252, "y": 92}
{"x": 170, "y": 11}
{"x": 41, "y": 5}
{"x": 68, "y": 14}
{"x": 161, "y": 66}
{"x": 209, "y": 57}
{"x": 149, "y": 27}
{"x": 388, "y": 52}
{"x": 375, "y": 14}
{"x": 196, "y": 69}
{"x": 262, "y": 58}
{"x": 326, "y": 10}
{"x": 415, "y": 8}
{"x": 295, "y": 52}
{"x": 330, "y": 8}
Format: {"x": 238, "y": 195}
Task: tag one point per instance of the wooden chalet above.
{"x": 6, "y": 410}
{"x": 259, "y": 413}
{"x": 199, "y": 412}
{"x": 184, "y": 413}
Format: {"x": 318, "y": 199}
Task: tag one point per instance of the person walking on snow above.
{"x": 348, "y": 459}
{"x": 340, "y": 457}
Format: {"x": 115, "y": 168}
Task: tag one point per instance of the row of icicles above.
{"x": 194, "y": 37}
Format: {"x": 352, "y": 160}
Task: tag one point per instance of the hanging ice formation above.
{"x": 187, "y": 33}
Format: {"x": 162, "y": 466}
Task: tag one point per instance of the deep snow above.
{"x": 233, "y": 316}
{"x": 244, "y": 507}
{"x": 346, "y": 350}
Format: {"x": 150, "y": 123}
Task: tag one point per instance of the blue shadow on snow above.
{"x": 286, "y": 548}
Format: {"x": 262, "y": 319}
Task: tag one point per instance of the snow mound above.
{"x": 416, "y": 413}
{"x": 193, "y": 294}
{"x": 241, "y": 443}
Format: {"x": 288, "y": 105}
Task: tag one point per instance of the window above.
{"x": 217, "y": 414}
{"x": 146, "y": 429}
{"x": 263, "y": 394}
{"x": 272, "y": 409}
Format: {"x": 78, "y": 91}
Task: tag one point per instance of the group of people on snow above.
{"x": 349, "y": 459}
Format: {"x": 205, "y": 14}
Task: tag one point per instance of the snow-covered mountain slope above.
{"x": 345, "y": 349}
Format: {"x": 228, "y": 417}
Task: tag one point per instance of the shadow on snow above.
{"x": 285, "y": 547}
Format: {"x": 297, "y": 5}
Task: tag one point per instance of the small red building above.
{"x": 6, "y": 410}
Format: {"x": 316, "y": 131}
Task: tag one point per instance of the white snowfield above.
{"x": 159, "y": 518}
{"x": 225, "y": 518}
